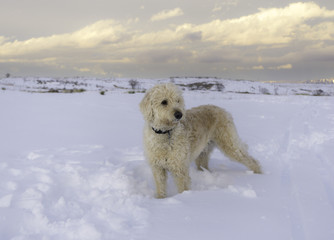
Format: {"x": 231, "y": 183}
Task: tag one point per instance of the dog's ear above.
{"x": 146, "y": 107}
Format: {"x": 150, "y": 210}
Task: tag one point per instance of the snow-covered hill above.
{"x": 72, "y": 165}
{"x": 70, "y": 85}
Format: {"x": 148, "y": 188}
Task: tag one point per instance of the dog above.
{"x": 174, "y": 137}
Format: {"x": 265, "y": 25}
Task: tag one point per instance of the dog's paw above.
{"x": 160, "y": 196}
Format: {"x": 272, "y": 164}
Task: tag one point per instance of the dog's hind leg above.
{"x": 160, "y": 178}
{"x": 202, "y": 160}
{"x": 228, "y": 141}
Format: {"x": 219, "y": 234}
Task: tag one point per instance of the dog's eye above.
{"x": 164, "y": 102}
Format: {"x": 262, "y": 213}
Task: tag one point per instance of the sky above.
{"x": 259, "y": 40}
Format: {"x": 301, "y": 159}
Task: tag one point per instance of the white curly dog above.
{"x": 173, "y": 137}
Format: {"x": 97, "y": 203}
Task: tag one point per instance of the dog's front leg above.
{"x": 182, "y": 179}
{"x": 160, "y": 178}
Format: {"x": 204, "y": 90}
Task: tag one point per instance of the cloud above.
{"x": 217, "y": 8}
{"x": 166, "y": 14}
{"x": 285, "y": 66}
{"x": 319, "y": 32}
{"x": 168, "y": 37}
{"x": 260, "y": 67}
{"x": 101, "y": 32}
{"x": 270, "y": 26}
{"x": 105, "y": 31}
{"x": 270, "y": 39}
{"x": 164, "y": 56}
{"x": 227, "y": 4}
{"x": 193, "y": 36}
{"x": 3, "y": 39}
{"x": 95, "y": 70}
{"x": 48, "y": 61}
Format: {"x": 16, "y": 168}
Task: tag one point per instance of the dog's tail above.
{"x": 228, "y": 141}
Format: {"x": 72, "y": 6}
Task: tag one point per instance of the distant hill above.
{"x": 322, "y": 81}
{"x": 321, "y": 87}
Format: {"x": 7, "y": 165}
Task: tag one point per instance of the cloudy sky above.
{"x": 239, "y": 39}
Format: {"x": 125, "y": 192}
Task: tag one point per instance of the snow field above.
{"x": 72, "y": 167}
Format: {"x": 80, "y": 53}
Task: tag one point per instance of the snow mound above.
{"x": 68, "y": 194}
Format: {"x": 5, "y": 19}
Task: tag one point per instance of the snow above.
{"x": 72, "y": 167}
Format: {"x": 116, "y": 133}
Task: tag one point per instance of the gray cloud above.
{"x": 193, "y": 36}
{"x": 164, "y": 56}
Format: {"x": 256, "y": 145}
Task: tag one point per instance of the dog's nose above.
{"x": 178, "y": 115}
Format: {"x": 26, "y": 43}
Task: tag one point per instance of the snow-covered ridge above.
{"x": 322, "y": 80}
{"x": 128, "y": 85}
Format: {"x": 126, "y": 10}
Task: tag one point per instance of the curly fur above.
{"x": 189, "y": 138}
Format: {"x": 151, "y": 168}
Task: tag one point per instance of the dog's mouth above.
{"x": 168, "y": 123}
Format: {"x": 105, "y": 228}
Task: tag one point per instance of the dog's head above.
{"x": 163, "y": 106}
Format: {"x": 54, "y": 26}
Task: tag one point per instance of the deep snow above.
{"x": 72, "y": 167}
